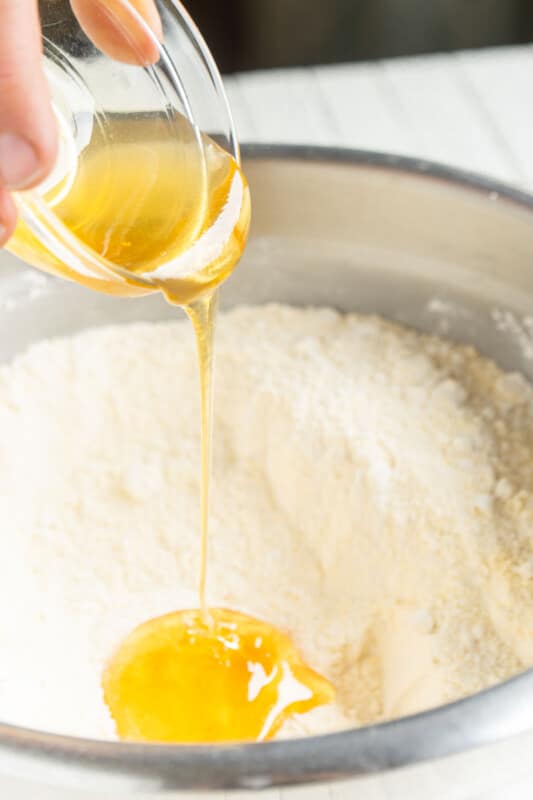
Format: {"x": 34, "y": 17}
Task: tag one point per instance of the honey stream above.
{"x": 202, "y": 314}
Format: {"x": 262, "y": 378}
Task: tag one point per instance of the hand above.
{"x": 28, "y": 131}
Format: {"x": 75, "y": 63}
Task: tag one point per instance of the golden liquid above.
{"x": 157, "y": 220}
{"x": 141, "y": 201}
{"x": 235, "y": 678}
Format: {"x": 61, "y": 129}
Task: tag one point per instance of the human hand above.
{"x": 28, "y": 130}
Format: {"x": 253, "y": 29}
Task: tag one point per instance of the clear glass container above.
{"x": 146, "y": 142}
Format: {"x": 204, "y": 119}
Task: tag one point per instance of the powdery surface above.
{"x": 373, "y": 496}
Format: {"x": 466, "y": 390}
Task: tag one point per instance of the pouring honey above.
{"x": 152, "y": 205}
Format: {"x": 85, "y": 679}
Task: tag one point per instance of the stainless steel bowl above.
{"x": 441, "y": 250}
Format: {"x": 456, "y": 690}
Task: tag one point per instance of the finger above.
{"x": 8, "y": 216}
{"x": 28, "y": 134}
{"x": 117, "y": 32}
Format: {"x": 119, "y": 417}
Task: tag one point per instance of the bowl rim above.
{"x": 481, "y": 719}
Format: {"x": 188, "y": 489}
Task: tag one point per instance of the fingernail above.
{"x": 19, "y": 165}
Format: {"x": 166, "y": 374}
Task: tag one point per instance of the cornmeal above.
{"x": 373, "y": 496}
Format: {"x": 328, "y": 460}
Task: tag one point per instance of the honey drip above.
{"x": 202, "y": 314}
{"x": 159, "y": 218}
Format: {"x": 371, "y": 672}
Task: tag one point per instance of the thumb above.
{"x": 28, "y": 134}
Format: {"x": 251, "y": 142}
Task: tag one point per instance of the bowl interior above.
{"x": 443, "y": 253}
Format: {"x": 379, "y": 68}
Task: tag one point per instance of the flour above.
{"x": 373, "y": 497}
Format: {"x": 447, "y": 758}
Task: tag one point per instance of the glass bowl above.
{"x": 136, "y": 136}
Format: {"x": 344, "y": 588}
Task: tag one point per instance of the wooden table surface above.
{"x": 472, "y": 110}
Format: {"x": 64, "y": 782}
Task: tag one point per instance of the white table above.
{"x": 472, "y": 110}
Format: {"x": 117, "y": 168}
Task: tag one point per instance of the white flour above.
{"x": 373, "y": 496}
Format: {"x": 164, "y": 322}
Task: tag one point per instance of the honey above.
{"x": 180, "y": 678}
{"x": 157, "y": 212}
{"x": 158, "y": 217}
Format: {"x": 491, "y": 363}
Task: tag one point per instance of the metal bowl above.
{"x": 441, "y": 250}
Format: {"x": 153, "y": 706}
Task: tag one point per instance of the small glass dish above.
{"x": 137, "y": 143}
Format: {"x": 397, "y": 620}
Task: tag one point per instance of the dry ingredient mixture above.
{"x": 373, "y": 496}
